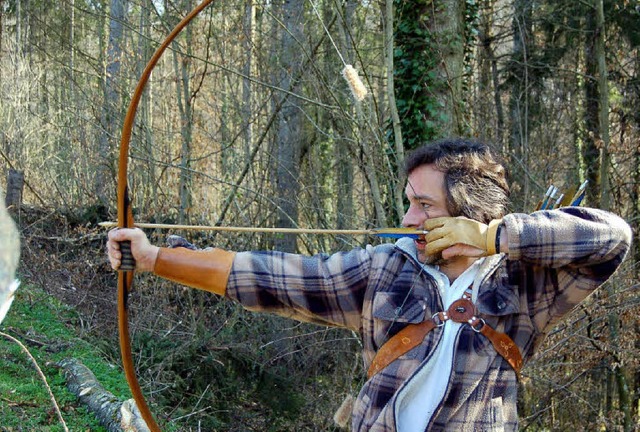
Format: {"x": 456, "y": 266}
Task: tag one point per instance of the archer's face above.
{"x": 427, "y": 199}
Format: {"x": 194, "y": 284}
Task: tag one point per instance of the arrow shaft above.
{"x": 395, "y": 232}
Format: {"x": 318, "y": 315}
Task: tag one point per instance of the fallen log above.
{"x": 114, "y": 415}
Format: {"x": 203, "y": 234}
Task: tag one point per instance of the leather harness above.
{"x": 461, "y": 311}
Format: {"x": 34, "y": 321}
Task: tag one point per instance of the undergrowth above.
{"x": 47, "y": 328}
{"x": 205, "y": 364}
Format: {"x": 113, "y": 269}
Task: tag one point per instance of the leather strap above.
{"x": 502, "y": 343}
{"x": 460, "y": 311}
{"x": 404, "y": 341}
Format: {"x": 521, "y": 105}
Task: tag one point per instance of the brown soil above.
{"x": 68, "y": 260}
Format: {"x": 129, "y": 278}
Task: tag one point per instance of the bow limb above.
{"x": 125, "y": 220}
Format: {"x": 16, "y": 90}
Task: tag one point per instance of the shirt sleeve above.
{"x": 323, "y": 289}
{"x": 569, "y": 253}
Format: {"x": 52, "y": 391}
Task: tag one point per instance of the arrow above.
{"x": 378, "y": 232}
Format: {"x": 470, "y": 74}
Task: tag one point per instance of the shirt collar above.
{"x": 407, "y": 245}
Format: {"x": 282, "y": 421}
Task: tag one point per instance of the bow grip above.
{"x": 127, "y": 262}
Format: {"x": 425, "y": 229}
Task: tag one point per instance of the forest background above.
{"x": 247, "y": 121}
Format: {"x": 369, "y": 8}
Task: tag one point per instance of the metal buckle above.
{"x": 437, "y": 320}
{"x": 478, "y": 321}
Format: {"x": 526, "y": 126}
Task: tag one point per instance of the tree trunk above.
{"x": 520, "y": 92}
{"x": 182, "y": 62}
{"x": 18, "y": 32}
{"x": 248, "y": 26}
{"x": 429, "y": 58}
{"x": 398, "y": 143}
{"x": 110, "y": 117}
{"x": 145, "y": 118}
{"x": 15, "y": 187}
{"x": 1, "y": 33}
{"x": 71, "y": 42}
{"x": 603, "y": 112}
{"x": 289, "y": 127}
{"x": 447, "y": 28}
{"x": 343, "y": 150}
{"x": 619, "y": 368}
{"x": 489, "y": 82}
{"x": 635, "y": 220}
{"x": 591, "y": 152}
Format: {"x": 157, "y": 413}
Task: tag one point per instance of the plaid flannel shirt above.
{"x": 556, "y": 259}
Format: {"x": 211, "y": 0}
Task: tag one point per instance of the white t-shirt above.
{"x": 420, "y": 396}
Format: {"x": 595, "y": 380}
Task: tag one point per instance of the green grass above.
{"x": 47, "y": 328}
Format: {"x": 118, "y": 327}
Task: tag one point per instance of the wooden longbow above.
{"x": 125, "y": 220}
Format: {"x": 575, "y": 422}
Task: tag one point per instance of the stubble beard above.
{"x": 433, "y": 259}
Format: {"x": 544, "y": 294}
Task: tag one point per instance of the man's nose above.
{"x": 414, "y": 217}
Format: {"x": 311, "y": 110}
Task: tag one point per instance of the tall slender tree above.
{"x": 182, "y": 67}
{"x": 111, "y": 115}
{"x": 289, "y": 126}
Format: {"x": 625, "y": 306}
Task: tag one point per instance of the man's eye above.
{"x": 425, "y": 206}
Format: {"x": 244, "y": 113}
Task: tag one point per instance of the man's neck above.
{"x": 455, "y": 267}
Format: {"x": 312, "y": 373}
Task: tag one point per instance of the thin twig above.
{"x": 42, "y": 377}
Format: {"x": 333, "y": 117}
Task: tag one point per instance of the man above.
{"x": 486, "y": 286}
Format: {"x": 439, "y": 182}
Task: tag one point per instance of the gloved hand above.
{"x": 445, "y": 232}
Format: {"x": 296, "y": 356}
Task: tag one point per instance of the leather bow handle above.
{"x": 125, "y": 220}
{"x": 127, "y": 262}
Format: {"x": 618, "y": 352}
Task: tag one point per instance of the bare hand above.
{"x": 143, "y": 251}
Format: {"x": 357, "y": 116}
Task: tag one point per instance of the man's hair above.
{"x": 475, "y": 180}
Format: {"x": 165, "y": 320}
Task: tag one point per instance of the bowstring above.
{"x": 413, "y": 282}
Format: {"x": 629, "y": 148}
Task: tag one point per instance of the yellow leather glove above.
{"x": 445, "y": 232}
